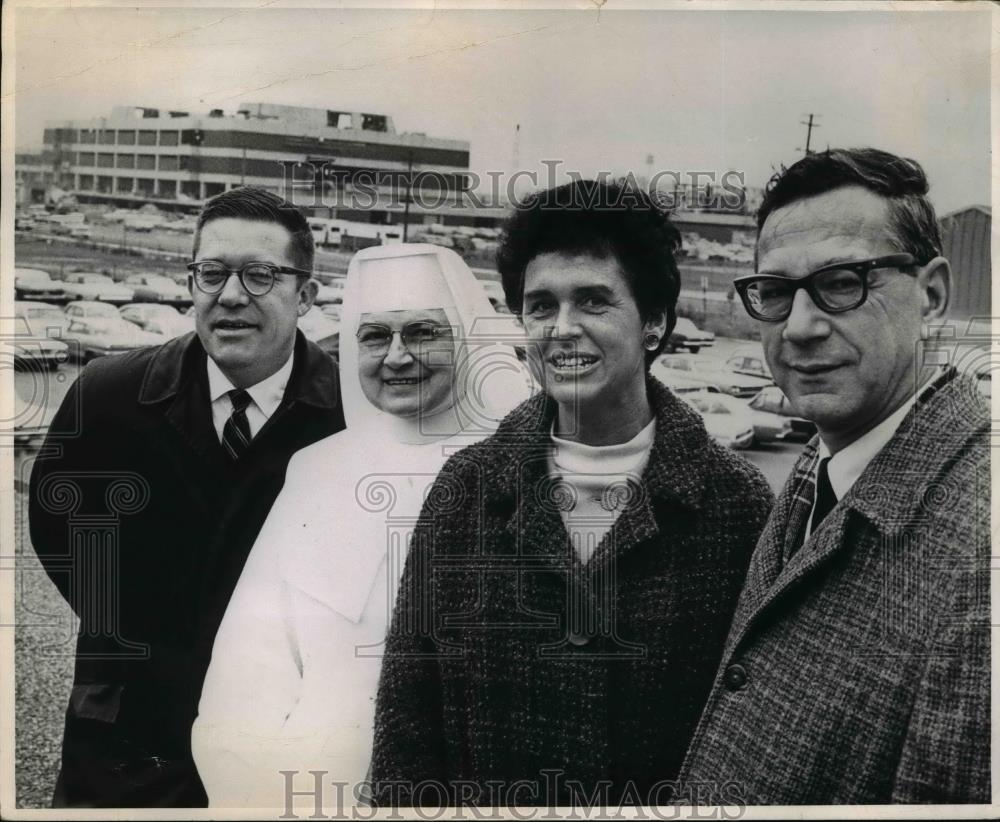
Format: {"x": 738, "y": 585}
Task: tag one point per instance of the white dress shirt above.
{"x": 848, "y": 464}
{"x": 266, "y": 396}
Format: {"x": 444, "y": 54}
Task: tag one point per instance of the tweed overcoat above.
{"x": 508, "y": 660}
{"x": 143, "y": 523}
{"x": 857, "y": 671}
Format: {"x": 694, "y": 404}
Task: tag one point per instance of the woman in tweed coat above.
{"x": 572, "y": 578}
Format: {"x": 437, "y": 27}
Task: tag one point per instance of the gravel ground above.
{"x": 44, "y": 641}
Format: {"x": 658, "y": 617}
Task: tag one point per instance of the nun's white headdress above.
{"x": 488, "y": 381}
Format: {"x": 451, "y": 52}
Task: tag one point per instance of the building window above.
{"x": 146, "y": 162}
{"x": 125, "y": 185}
{"x": 86, "y": 182}
{"x": 126, "y": 161}
{"x": 147, "y": 137}
{"x": 86, "y": 159}
{"x": 169, "y": 138}
{"x": 104, "y": 184}
{"x": 107, "y": 136}
{"x": 167, "y": 188}
{"x": 105, "y": 160}
{"x": 126, "y": 138}
{"x": 169, "y": 162}
{"x": 189, "y": 188}
{"x": 211, "y": 189}
{"x": 146, "y": 185}
{"x": 88, "y": 135}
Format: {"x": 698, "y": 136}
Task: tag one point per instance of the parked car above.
{"x": 157, "y": 288}
{"x": 85, "y": 285}
{"x": 32, "y": 415}
{"x": 37, "y": 339}
{"x": 728, "y": 426}
{"x": 158, "y": 318}
{"x": 322, "y": 330}
{"x": 332, "y": 310}
{"x": 751, "y": 364}
{"x": 24, "y": 222}
{"x": 494, "y": 292}
{"x": 90, "y": 308}
{"x": 92, "y": 337}
{"x": 35, "y": 284}
{"x": 687, "y": 336}
{"x": 708, "y": 372}
{"x": 772, "y": 399}
{"x": 326, "y": 294}
{"x": 767, "y": 426}
{"x": 36, "y": 319}
{"x": 80, "y": 232}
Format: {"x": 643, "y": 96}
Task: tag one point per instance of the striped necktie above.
{"x": 236, "y": 433}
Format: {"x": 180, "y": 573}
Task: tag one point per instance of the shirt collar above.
{"x": 849, "y": 463}
{"x": 267, "y": 394}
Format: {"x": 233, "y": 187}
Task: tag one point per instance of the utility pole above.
{"x": 406, "y": 205}
{"x": 810, "y": 125}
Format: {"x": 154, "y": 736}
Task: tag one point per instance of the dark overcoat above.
{"x": 508, "y": 660}
{"x": 143, "y": 524}
{"x": 857, "y": 669}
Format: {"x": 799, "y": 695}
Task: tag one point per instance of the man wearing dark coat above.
{"x": 857, "y": 668}
{"x": 158, "y": 470}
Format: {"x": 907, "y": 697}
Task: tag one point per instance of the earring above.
{"x": 651, "y": 341}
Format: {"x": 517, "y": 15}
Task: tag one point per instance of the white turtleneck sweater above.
{"x": 593, "y": 473}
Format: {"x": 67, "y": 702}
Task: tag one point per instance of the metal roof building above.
{"x": 965, "y": 235}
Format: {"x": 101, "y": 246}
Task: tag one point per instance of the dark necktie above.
{"x": 825, "y": 497}
{"x": 236, "y": 433}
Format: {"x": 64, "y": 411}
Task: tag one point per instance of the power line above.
{"x": 810, "y": 124}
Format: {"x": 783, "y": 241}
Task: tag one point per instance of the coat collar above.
{"x": 313, "y": 378}
{"x": 898, "y": 481}
{"x": 676, "y": 467}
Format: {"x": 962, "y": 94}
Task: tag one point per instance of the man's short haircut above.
{"x": 604, "y": 220}
{"x": 251, "y": 203}
{"x": 901, "y": 181}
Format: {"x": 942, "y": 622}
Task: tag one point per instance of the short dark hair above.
{"x": 602, "y": 219}
{"x": 252, "y": 203}
{"x": 901, "y": 181}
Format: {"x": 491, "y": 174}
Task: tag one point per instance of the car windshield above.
{"x": 47, "y": 313}
{"x": 707, "y": 406}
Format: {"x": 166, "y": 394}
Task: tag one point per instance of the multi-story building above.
{"x": 340, "y": 164}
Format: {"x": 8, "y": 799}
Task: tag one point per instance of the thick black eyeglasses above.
{"x": 834, "y": 288}
{"x": 256, "y": 278}
{"x": 376, "y": 339}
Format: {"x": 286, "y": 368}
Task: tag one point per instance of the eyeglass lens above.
{"x": 257, "y": 279}
{"x": 415, "y": 336}
{"x": 836, "y": 289}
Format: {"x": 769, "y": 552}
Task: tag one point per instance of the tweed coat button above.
{"x": 578, "y": 639}
{"x": 735, "y": 677}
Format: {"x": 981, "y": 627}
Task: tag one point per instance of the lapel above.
{"x": 175, "y": 388}
{"x": 886, "y": 498}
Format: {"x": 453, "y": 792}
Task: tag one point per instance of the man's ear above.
{"x": 191, "y": 285}
{"x": 934, "y": 281}
{"x": 307, "y": 295}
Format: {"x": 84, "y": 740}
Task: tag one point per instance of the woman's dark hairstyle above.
{"x": 250, "y": 203}
{"x": 602, "y": 219}
{"x": 912, "y": 223}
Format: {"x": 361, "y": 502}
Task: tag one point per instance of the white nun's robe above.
{"x": 295, "y": 665}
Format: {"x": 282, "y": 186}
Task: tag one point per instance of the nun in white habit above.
{"x": 295, "y": 664}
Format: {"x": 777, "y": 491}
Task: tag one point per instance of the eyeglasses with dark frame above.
{"x": 375, "y": 339}
{"x": 834, "y": 288}
{"x": 256, "y": 278}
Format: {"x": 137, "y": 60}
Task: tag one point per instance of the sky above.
{"x": 596, "y": 89}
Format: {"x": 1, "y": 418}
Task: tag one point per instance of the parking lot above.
{"x": 44, "y": 639}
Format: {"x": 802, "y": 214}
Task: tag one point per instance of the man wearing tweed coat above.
{"x": 857, "y": 666}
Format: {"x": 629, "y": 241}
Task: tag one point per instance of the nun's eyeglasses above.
{"x": 375, "y": 339}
